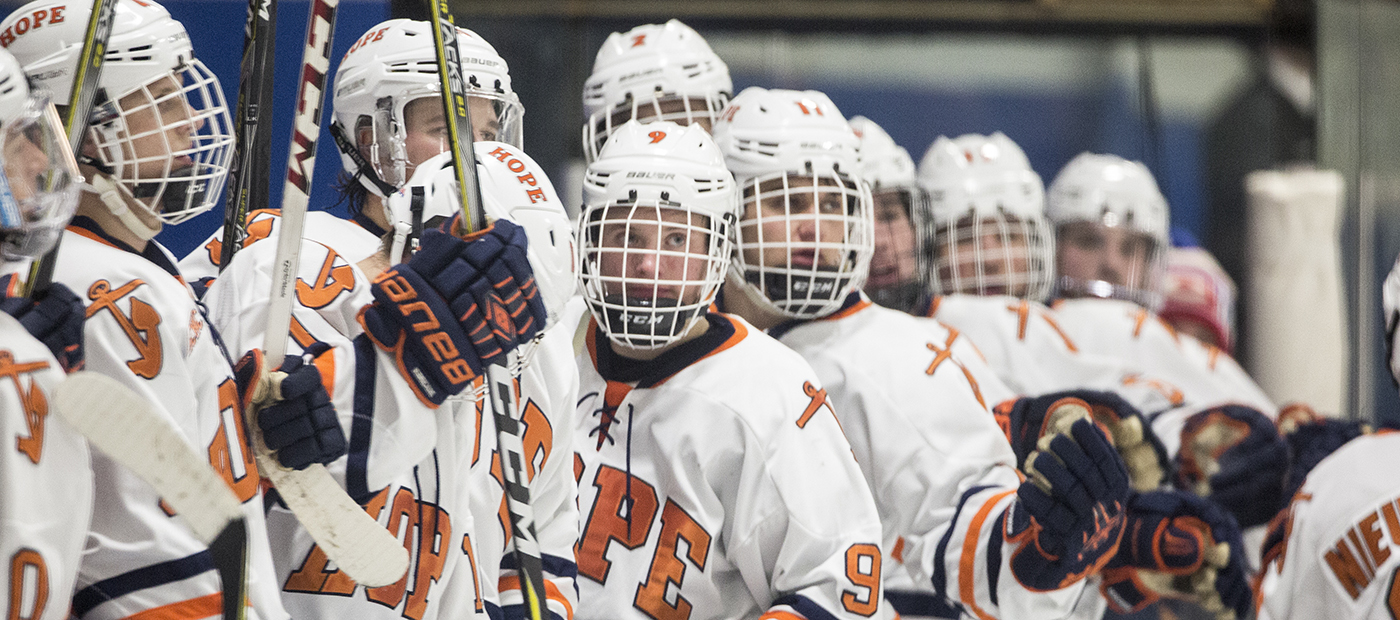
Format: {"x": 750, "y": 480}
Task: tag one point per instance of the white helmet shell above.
{"x": 639, "y": 73}
{"x": 984, "y": 230}
{"x": 883, "y": 164}
{"x": 806, "y": 237}
{"x": 1112, "y": 192}
{"x": 650, "y": 182}
{"x": 513, "y": 187}
{"x": 173, "y": 173}
{"x": 394, "y": 63}
{"x": 39, "y": 180}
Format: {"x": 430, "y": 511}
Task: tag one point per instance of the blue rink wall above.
{"x": 216, "y": 28}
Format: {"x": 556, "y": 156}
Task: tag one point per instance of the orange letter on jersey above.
{"x": 608, "y": 520}
{"x": 666, "y": 566}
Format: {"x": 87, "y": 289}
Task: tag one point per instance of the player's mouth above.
{"x": 882, "y": 275}
{"x": 802, "y": 258}
{"x": 647, "y": 291}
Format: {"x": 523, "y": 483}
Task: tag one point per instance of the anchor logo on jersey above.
{"x": 36, "y": 406}
{"x": 140, "y": 327}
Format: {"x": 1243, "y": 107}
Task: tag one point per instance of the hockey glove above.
{"x": 1070, "y": 516}
{"x": 499, "y": 253}
{"x": 1142, "y": 452}
{"x": 1311, "y": 438}
{"x": 1233, "y": 455}
{"x": 54, "y": 317}
{"x": 1178, "y": 546}
{"x": 294, "y": 410}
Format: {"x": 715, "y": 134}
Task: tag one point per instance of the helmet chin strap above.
{"x": 118, "y": 201}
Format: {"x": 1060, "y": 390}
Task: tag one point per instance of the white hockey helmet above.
{"x": 806, "y": 237}
{"x": 513, "y": 187}
{"x": 656, "y": 232}
{"x": 1390, "y": 302}
{"x": 652, "y": 72}
{"x": 394, "y": 64}
{"x": 894, "y": 280}
{"x": 160, "y": 126}
{"x": 1097, "y": 195}
{"x": 39, "y": 180}
{"x": 984, "y": 230}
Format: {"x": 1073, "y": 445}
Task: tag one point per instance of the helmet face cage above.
{"x": 169, "y": 141}
{"x": 649, "y": 269}
{"x": 994, "y": 254}
{"x": 1109, "y": 260}
{"x": 682, "y": 109}
{"x": 39, "y": 187}
{"x": 385, "y": 134}
{"x": 895, "y": 267}
{"x": 805, "y": 240}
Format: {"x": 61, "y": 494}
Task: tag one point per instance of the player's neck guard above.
{"x": 118, "y": 201}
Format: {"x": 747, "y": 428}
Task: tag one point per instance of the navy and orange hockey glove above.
{"x": 499, "y": 254}
{"x": 1142, "y": 452}
{"x": 1311, "y": 438}
{"x": 1069, "y": 519}
{"x": 1234, "y": 456}
{"x": 295, "y": 414}
{"x": 1178, "y": 546}
{"x": 54, "y": 317}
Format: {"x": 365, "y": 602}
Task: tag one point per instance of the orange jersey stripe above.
{"x": 210, "y": 605}
{"x": 780, "y": 615}
{"x": 967, "y": 565}
{"x": 551, "y": 592}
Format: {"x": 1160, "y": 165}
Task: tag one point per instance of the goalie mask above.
{"x": 983, "y": 231}
{"x": 661, "y": 72}
{"x": 388, "y": 101}
{"x": 160, "y": 130}
{"x": 513, "y": 187}
{"x": 805, "y": 236}
{"x": 1111, "y": 230}
{"x": 894, "y": 267}
{"x": 39, "y": 184}
{"x": 656, "y": 232}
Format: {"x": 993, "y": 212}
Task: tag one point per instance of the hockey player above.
{"x": 955, "y": 513}
{"x": 410, "y": 445}
{"x": 693, "y": 426}
{"x": 1340, "y": 554}
{"x": 894, "y": 267}
{"x": 155, "y": 152}
{"x": 45, "y": 480}
{"x": 653, "y": 72}
{"x": 988, "y": 252}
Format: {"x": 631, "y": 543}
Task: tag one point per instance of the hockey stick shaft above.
{"x": 248, "y": 175}
{"x": 75, "y": 121}
{"x": 366, "y": 551}
{"x": 124, "y": 426}
{"x": 499, "y": 383}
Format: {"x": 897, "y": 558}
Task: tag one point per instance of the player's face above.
{"x": 1090, "y": 251}
{"x": 648, "y": 253}
{"x": 802, "y": 227}
{"x": 667, "y": 108}
{"x": 425, "y": 127}
{"x": 160, "y": 124}
{"x": 25, "y": 162}
{"x": 893, "y": 262}
{"x": 999, "y": 247}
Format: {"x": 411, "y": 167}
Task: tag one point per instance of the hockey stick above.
{"x": 365, "y": 550}
{"x": 122, "y": 424}
{"x": 75, "y": 122}
{"x": 248, "y": 176}
{"x": 500, "y": 386}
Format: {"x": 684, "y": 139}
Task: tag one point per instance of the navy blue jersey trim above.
{"x": 940, "y": 573}
{"x": 910, "y": 603}
{"x": 994, "y": 556}
{"x": 782, "y": 329}
{"x": 368, "y": 224}
{"x": 361, "y": 429}
{"x": 804, "y": 606}
{"x": 646, "y": 374}
{"x": 152, "y": 252}
{"x": 151, "y": 576}
{"x": 552, "y": 564}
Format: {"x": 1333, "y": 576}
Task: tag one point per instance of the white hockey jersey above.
{"x": 45, "y": 483}
{"x": 1342, "y": 555}
{"x": 1028, "y": 350}
{"x": 714, "y": 482}
{"x": 145, "y": 329}
{"x": 430, "y": 473}
{"x": 941, "y": 470}
{"x": 1205, "y": 376}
